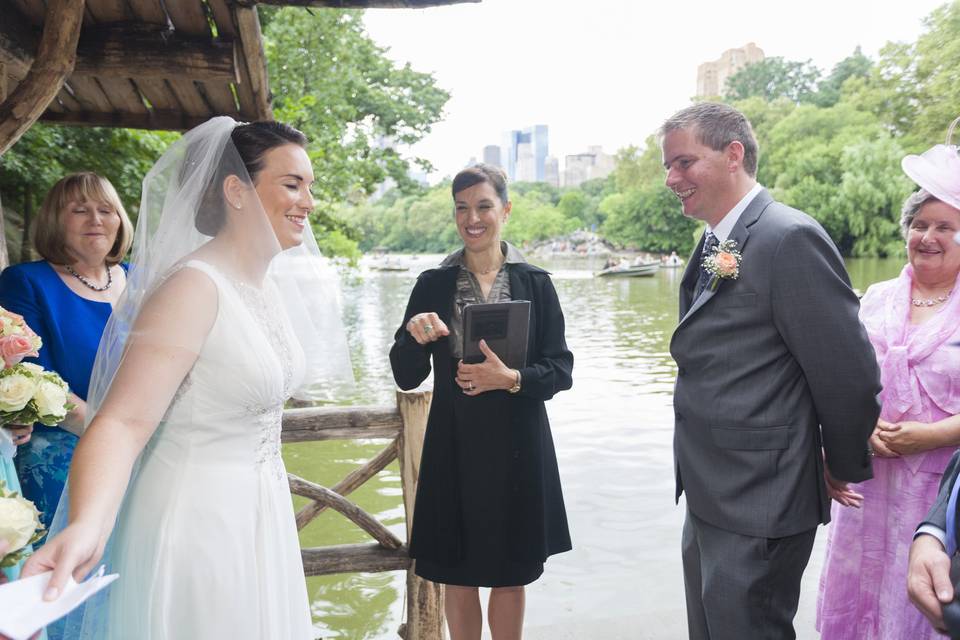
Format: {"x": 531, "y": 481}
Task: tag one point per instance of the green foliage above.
{"x": 648, "y": 218}
{"x": 773, "y": 78}
{"x": 46, "y": 153}
{"x": 855, "y": 65}
{"x": 330, "y": 80}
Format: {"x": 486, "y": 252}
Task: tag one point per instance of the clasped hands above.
{"x": 894, "y": 439}
{"x": 473, "y": 379}
{"x": 888, "y": 440}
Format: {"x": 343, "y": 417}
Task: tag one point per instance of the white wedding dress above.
{"x": 206, "y": 544}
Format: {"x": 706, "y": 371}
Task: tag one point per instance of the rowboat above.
{"x": 633, "y": 271}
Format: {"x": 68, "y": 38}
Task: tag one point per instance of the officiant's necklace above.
{"x": 495, "y": 267}
{"x": 931, "y": 302}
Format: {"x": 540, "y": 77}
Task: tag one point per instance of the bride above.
{"x": 225, "y": 317}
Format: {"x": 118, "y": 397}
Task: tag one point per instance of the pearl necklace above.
{"x": 89, "y": 284}
{"x": 930, "y": 302}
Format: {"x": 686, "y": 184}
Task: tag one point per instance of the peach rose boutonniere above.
{"x": 723, "y": 263}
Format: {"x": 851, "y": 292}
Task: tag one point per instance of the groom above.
{"x": 774, "y": 374}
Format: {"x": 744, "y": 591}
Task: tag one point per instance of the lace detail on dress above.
{"x": 258, "y": 301}
{"x": 269, "y": 418}
{"x": 270, "y": 422}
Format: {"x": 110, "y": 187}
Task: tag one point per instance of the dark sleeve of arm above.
{"x": 409, "y": 360}
{"x": 816, "y": 313}
{"x": 18, "y": 295}
{"x": 552, "y": 372}
{"x": 937, "y": 516}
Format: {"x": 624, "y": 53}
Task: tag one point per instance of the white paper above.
{"x": 23, "y": 611}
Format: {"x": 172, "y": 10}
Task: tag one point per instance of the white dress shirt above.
{"x": 725, "y": 226}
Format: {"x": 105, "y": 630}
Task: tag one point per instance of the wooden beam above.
{"x": 358, "y": 4}
{"x": 54, "y": 61}
{"x": 338, "y": 423}
{"x": 348, "y": 558}
{"x": 18, "y": 43}
{"x": 345, "y": 487}
{"x": 131, "y": 50}
{"x": 161, "y": 120}
{"x": 145, "y": 51}
{"x": 251, "y": 43}
{"x": 350, "y": 510}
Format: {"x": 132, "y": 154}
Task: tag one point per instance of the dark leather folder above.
{"x": 504, "y": 325}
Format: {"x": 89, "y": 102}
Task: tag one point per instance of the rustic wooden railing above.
{"x": 404, "y": 425}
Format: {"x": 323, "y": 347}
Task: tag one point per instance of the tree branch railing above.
{"x": 404, "y": 425}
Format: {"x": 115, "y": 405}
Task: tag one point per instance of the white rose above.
{"x": 50, "y": 398}
{"x": 19, "y": 520}
{"x": 16, "y": 391}
{"x": 32, "y": 367}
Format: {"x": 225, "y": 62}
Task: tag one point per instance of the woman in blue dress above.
{"x": 82, "y": 231}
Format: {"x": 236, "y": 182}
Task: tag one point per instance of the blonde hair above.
{"x": 48, "y": 234}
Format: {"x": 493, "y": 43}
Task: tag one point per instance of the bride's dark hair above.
{"x": 252, "y": 142}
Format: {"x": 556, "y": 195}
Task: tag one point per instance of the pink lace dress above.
{"x": 863, "y": 592}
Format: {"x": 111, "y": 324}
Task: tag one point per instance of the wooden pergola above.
{"x": 142, "y": 64}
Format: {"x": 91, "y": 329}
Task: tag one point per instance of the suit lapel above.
{"x": 740, "y": 235}
{"x": 688, "y": 283}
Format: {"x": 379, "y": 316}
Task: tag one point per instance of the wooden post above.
{"x": 424, "y": 598}
{"x": 54, "y": 61}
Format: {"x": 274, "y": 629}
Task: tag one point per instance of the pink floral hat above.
{"x": 937, "y": 170}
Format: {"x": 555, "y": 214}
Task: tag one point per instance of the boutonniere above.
{"x": 723, "y": 263}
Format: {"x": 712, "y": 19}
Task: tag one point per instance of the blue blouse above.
{"x": 70, "y": 327}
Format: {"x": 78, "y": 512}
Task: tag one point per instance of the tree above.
{"x": 648, "y": 218}
{"x": 773, "y": 78}
{"x": 330, "y": 80}
{"x": 914, "y": 88}
{"x": 46, "y": 153}
{"x": 855, "y": 65}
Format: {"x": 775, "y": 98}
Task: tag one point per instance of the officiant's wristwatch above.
{"x": 516, "y": 385}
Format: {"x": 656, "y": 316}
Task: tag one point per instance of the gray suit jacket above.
{"x": 937, "y": 516}
{"x": 772, "y": 367}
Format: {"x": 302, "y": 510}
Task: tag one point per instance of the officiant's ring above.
{"x": 428, "y": 328}
{"x": 471, "y": 386}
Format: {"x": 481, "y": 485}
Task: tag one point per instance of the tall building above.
{"x": 712, "y": 76}
{"x": 491, "y": 155}
{"x": 551, "y": 171}
{"x": 536, "y": 145}
{"x": 580, "y": 167}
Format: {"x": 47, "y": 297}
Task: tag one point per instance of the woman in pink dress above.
{"x": 910, "y": 321}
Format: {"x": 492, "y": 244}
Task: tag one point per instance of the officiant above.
{"x": 489, "y": 507}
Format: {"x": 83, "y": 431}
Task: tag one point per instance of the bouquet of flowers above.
{"x": 28, "y": 393}
{"x": 19, "y": 525}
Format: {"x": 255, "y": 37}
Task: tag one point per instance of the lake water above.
{"x": 613, "y": 434}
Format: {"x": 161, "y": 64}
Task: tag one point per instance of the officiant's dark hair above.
{"x": 717, "y": 125}
{"x": 252, "y": 142}
{"x": 480, "y": 173}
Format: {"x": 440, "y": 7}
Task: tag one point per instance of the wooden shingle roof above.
{"x": 155, "y": 64}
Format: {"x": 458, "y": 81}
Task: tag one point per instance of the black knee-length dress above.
{"x": 489, "y": 506}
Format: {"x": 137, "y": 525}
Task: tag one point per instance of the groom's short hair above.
{"x": 717, "y": 125}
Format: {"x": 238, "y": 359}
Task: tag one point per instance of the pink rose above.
{"x": 726, "y": 264}
{"x": 13, "y": 349}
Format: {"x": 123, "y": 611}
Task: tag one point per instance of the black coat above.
{"x": 534, "y": 501}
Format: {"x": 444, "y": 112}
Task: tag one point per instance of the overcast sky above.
{"x": 607, "y": 72}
